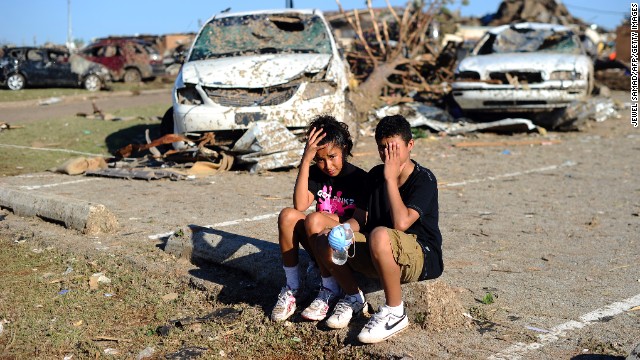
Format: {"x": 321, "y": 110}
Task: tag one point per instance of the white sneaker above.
{"x": 382, "y": 325}
{"x": 320, "y": 305}
{"x": 285, "y": 306}
{"x": 344, "y": 311}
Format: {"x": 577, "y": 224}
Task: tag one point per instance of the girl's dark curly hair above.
{"x": 336, "y": 133}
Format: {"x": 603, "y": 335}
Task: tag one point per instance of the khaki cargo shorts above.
{"x": 406, "y": 252}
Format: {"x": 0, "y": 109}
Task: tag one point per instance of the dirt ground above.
{"x": 549, "y": 230}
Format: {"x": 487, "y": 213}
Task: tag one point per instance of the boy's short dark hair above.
{"x": 393, "y": 125}
{"x": 336, "y": 132}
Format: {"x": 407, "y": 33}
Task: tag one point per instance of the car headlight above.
{"x": 317, "y": 89}
{"x": 188, "y": 95}
{"x": 467, "y": 76}
{"x": 565, "y": 75}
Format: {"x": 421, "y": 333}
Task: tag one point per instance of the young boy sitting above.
{"x": 401, "y": 241}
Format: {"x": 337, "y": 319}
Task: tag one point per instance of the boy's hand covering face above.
{"x": 393, "y": 160}
{"x": 312, "y": 147}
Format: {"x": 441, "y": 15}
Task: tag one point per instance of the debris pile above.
{"x": 395, "y": 57}
{"x": 544, "y": 11}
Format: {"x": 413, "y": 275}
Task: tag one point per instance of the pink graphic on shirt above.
{"x": 333, "y": 205}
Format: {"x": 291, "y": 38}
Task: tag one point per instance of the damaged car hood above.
{"x": 522, "y": 61}
{"x": 253, "y": 71}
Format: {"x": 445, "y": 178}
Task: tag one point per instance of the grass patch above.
{"x": 46, "y": 93}
{"x": 49, "y": 310}
{"x": 488, "y": 299}
{"x": 73, "y": 133}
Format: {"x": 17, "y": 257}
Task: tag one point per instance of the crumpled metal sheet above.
{"x": 419, "y": 114}
{"x": 578, "y": 113}
{"x": 268, "y": 145}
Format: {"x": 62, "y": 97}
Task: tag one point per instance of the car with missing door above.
{"x": 524, "y": 67}
{"x": 128, "y": 59}
{"x": 281, "y": 65}
{"x": 22, "y": 67}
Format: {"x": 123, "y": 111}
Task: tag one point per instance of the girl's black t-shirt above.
{"x": 341, "y": 194}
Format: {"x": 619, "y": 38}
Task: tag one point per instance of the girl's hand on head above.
{"x": 312, "y": 147}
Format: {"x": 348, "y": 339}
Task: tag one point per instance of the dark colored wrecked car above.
{"x": 128, "y": 60}
{"x": 49, "y": 67}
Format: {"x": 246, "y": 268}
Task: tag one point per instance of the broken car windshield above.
{"x": 529, "y": 40}
{"x": 261, "y": 34}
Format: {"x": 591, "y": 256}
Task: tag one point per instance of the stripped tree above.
{"x": 394, "y": 55}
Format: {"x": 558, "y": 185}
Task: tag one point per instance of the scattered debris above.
{"x": 100, "y": 115}
{"x": 133, "y": 149}
{"x": 578, "y": 113}
{"x": 438, "y": 120}
{"x": 96, "y": 279}
{"x": 80, "y": 165}
{"x": 505, "y": 143}
{"x": 7, "y": 126}
{"x": 111, "y": 351}
{"x": 186, "y": 353}
{"x": 146, "y": 353}
{"x": 50, "y": 101}
{"x": 268, "y": 145}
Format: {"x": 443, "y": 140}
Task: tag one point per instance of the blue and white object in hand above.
{"x": 340, "y": 239}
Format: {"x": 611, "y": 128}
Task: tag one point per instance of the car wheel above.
{"x": 15, "y": 82}
{"x": 132, "y": 76}
{"x": 92, "y": 82}
{"x": 166, "y": 125}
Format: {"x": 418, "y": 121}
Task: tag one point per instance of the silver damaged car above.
{"x": 523, "y": 67}
{"x": 279, "y": 65}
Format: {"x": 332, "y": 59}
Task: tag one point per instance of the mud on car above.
{"x": 128, "y": 60}
{"x": 22, "y": 67}
{"x": 281, "y": 65}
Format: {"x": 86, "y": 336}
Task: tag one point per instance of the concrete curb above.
{"x": 89, "y": 218}
{"x": 259, "y": 259}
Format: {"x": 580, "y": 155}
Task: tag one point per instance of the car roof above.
{"x": 109, "y": 41}
{"x": 270, "y": 11}
{"x": 530, "y": 25}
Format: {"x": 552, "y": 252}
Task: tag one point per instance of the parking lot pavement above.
{"x": 550, "y": 230}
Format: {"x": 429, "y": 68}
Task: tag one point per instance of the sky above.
{"x": 35, "y": 22}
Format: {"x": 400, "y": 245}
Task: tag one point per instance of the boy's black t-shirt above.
{"x": 341, "y": 194}
{"x": 420, "y": 193}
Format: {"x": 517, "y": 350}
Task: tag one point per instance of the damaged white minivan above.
{"x": 267, "y": 65}
{"x": 523, "y": 67}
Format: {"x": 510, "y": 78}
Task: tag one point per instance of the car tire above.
{"x": 16, "y": 82}
{"x": 166, "y": 125}
{"x": 132, "y": 76}
{"x": 92, "y": 82}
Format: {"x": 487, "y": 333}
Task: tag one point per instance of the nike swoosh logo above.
{"x": 387, "y": 327}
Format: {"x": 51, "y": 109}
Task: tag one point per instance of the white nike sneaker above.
{"x": 382, "y": 326}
